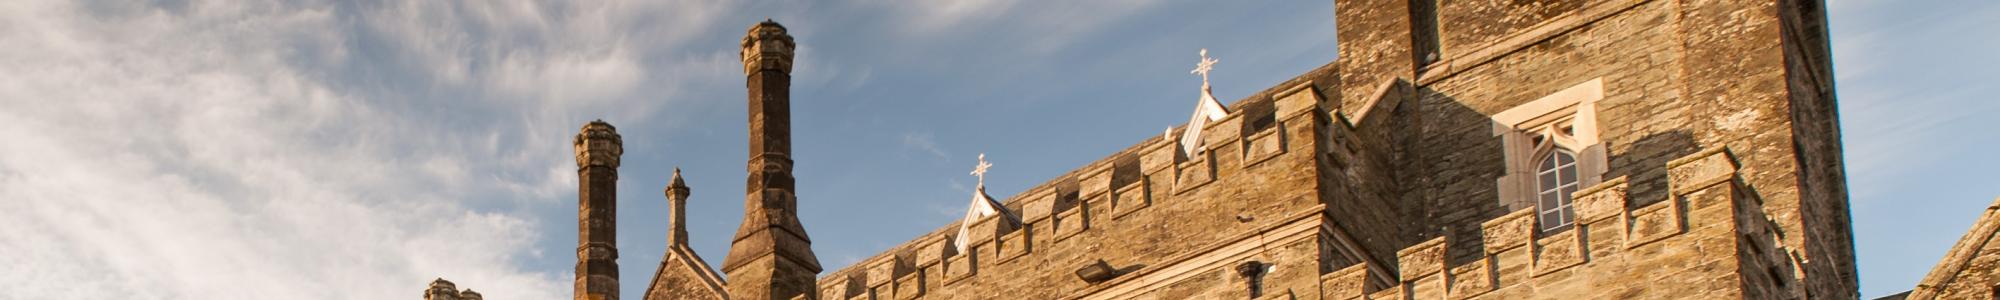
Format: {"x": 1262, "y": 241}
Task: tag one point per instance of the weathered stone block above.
{"x": 1071, "y": 222}
{"x": 1264, "y": 145}
{"x": 1601, "y": 202}
{"x": 1700, "y": 170}
{"x": 1655, "y": 222}
{"x": 1347, "y": 283}
{"x": 983, "y": 230}
{"x": 1472, "y": 279}
{"x": 1096, "y": 183}
{"x": 1303, "y": 97}
{"x": 964, "y": 265}
{"x": 1220, "y": 133}
{"x": 883, "y": 291}
{"x": 932, "y": 251}
{"x": 1558, "y": 251}
{"x": 1509, "y": 231}
{"x": 835, "y": 288}
{"x": 1421, "y": 260}
{"x": 1161, "y": 156}
{"x": 1133, "y": 197}
{"x": 1392, "y": 293}
{"x": 1511, "y": 267}
{"x": 1014, "y": 245}
{"x": 1196, "y": 172}
{"x": 1281, "y": 294}
{"x": 910, "y": 286}
{"x": 882, "y": 271}
{"x": 1427, "y": 287}
{"x": 1038, "y": 205}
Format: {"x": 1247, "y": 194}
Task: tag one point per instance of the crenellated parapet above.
{"x": 1133, "y": 210}
{"x": 1616, "y": 240}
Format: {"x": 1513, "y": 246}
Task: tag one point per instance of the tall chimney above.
{"x": 597, "y": 149}
{"x": 677, "y": 195}
{"x": 771, "y": 258}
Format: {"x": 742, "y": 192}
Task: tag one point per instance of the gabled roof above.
{"x": 1961, "y": 254}
{"x": 681, "y": 258}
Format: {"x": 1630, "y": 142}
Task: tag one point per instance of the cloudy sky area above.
{"x": 354, "y": 150}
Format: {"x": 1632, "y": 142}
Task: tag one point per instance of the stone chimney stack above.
{"x": 598, "y": 147}
{"x": 771, "y": 258}
{"x": 677, "y": 195}
{"x": 441, "y": 290}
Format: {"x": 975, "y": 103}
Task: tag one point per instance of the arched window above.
{"x": 1557, "y": 180}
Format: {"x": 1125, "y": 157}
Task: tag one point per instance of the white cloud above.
{"x": 257, "y": 149}
{"x": 926, "y": 143}
{"x": 1054, "y": 25}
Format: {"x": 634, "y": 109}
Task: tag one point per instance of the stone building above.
{"x": 1456, "y": 150}
{"x": 1971, "y": 270}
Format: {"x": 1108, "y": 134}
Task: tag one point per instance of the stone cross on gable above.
{"x": 1205, "y": 110}
{"x": 980, "y": 170}
{"x": 1207, "y": 64}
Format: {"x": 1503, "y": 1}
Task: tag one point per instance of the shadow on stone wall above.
{"x": 1449, "y": 158}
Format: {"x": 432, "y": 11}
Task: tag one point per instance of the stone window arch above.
{"x": 1558, "y": 134}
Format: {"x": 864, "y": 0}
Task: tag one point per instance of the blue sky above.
{"x": 355, "y": 150}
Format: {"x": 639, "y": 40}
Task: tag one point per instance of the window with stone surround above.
{"x": 1556, "y": 180}
{"x": 1552, "y": 150}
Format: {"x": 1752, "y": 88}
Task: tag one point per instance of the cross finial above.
{"x": 980, "y": 170}
{"x": 1202, "y": 68}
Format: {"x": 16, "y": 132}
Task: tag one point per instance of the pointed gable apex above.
{"x": 684, "y": 275}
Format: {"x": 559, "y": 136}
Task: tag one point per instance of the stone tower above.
{"x": 598, "y": 147}
{"x": 771, "y": 257}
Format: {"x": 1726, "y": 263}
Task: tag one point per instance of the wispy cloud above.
{"x": 258, "y": 149}
{"x": 1053, "y": 25}
{"x": 926, "y": 143}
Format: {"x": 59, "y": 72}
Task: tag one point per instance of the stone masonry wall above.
{"x": 1641, "y": 120}
{"x": 1395, "y": 158}
{"x": 1711, "y": 241}
{"x": 1678, "y": 76}
{"x": 1138, "y": 210}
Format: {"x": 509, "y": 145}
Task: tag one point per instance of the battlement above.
{"x": 1613, "y": 244}
{"x": 1126, "y": 209}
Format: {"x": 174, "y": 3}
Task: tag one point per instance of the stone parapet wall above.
{"x": 1145, "y": 206}
{"x": 1712, "y": 240}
